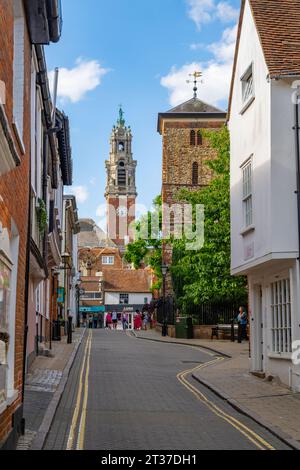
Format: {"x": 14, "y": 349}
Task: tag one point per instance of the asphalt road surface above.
{"x": 128, "y": 394}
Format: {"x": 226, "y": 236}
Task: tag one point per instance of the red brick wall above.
{"x": 14, "y": 187}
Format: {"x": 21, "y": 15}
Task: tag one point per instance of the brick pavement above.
{"x": 42, "y": 381}
{"x": 271, "y": 402}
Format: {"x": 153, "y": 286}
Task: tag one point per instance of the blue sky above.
{"x": 137, "y": 53}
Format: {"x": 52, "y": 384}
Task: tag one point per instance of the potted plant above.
{"x": 42, "y": 217}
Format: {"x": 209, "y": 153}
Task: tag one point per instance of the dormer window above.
{"x": 248, "y": 86}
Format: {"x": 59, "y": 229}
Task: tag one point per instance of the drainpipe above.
{"x": 297, "y": 128}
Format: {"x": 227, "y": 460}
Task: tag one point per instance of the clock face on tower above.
{"x": 122, "y": 211}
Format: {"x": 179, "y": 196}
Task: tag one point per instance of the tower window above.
{"x": 121, "y": 147}
{"x": 121, "y": 176}
{"x": 199, "y": 138}
{"x": 193, "y": 138}
{"x": 195, "y": 174}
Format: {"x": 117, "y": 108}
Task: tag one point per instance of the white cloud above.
{"x": 216, "y": 73}
{"x": 80, "y": 192}
{"x": 206, "y": 11}
{"x": 75, "y": 83}
{"x": 224, "y": 49}
{"x": 200, "y": 11}
{"x": 226, "y": 13}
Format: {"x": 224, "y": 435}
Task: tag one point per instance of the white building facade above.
{"x": 264, "y": 218}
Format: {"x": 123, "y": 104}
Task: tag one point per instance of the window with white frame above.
{"x": 5, "y": 279}
{"x": 247, "y": 193}
{"x": 124, "y": 299}
{"x": 108, "y": 260}
{"x": 247, "y": 85}
{"x": 91, "y": 296}
{"x": 281, "y": 317}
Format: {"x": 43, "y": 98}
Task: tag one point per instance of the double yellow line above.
{"x": 81, "y": 401}
{"x": 253, "y": 437}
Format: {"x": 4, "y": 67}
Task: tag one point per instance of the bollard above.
{"x": 70, "y": 320}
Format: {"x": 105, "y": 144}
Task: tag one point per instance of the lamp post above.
{"x": 164, "y": 270}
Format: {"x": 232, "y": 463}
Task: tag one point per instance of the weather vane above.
{"x": 195, "y": 75}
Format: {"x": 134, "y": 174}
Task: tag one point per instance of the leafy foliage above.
{"x": 42, "y": 216}
{"x": 198, "y": 276}
{"x": 204, "y": 275}
{"x": 147, "y": 247}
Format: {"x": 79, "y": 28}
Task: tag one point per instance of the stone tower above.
{"x": 185, "y": 151}
{"x": 120, "y": 185}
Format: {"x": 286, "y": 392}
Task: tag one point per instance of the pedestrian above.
{"x": 125, "y": 321}
{"x": 108, "y": 321}
{"x": 114, "y": 318}
{"x": 100, "y": 320}
{"x": 242, "y": 320}
{"x": 145, "y": 320}
{"x": 90, "y": 320}
{"x": 84, "y": 319}
{"x": 138, "y": 321}
{"x": 95, "y": 320}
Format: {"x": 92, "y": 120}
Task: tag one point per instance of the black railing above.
{"x": 166, "y": 311}
{"x": 212, "y": 313}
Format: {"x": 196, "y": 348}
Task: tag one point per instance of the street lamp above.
{"x": 164, "y": 270}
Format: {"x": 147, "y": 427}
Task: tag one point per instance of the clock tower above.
{"x": 120, "y": 184}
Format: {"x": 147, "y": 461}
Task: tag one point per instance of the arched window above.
{"x": 195, "y": 174}
{"x": 199, "y": 138}
{"x": 121, "y": 174}
{"x": 193, "y": 138}
{"x": 121, "y": 147}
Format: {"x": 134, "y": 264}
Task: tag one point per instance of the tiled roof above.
{"x": 278, "y": 26}
{"x": 127, "y": 281}
{"x": 194, "y": 106}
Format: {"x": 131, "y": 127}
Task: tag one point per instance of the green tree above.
{"x": 204, "y": 275}
{"x": 147, "y": 247}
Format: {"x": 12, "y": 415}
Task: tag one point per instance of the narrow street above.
{"x": 128, "y": 394}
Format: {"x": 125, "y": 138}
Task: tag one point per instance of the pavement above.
{"x": 126, "y": 394}
{"x": 42, "y": 389}
{"x": 271, "y": 404}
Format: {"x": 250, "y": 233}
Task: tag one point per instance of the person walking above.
{"x": 108, "y": 321}
{"x": 90, "y": 320}
{"x": 125, "y": 321}
{"x": 242, "y": 320}
{"x": 145, "y": 321}
{"x": 84, "y": 323}
{"x": 95, "y": 320}
{"x": 138, "y": 321}
{"x": 114, "y": 318}
{"x": 100, "y": 320}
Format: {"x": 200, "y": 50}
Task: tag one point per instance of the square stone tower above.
{"x": 185, "y": 152}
